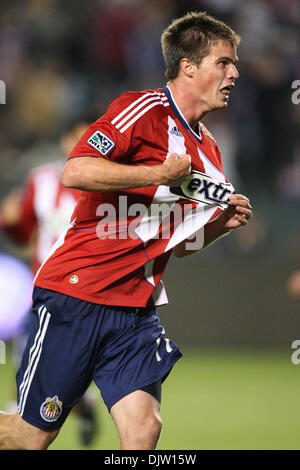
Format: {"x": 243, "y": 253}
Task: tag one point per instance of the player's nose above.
{"x": 233, "y": 73}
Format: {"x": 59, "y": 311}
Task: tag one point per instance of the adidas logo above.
{"x": 176, "y": 132}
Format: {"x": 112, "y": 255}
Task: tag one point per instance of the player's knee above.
{"x": 148, "y": 430}
{"x": 156, "y": 425}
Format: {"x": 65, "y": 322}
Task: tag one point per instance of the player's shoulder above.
{"x": 207, "y": 133}
{"x": 136, "y": 98}
{"x": 208, "y": 139}
{"x": 136, "y": 106}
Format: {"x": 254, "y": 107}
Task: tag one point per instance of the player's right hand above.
{"x": 175, "y": 169}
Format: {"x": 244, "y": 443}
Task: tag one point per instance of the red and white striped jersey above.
{"x": 46, "y": 210}
{"x": 116, "y": 248}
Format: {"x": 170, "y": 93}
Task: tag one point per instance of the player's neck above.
{"x": 192, "y": 110}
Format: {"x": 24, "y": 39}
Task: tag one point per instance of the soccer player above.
{"x": 152, "y": 184}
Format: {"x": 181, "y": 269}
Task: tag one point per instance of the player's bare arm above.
{"x": 236, "y": 215}
{"x": 99, "y": 174}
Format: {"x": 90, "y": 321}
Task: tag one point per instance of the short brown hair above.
{"x": 191, "y": 36}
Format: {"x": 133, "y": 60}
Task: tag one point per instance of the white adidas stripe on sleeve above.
{"x": 136, "y": 109}
{"x": 137, "y": 105}
{"x": 156, "y": 103}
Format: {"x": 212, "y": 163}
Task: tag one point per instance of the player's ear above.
{"x": 187, "y": 67}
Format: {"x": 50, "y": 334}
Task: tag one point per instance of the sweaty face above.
{"x": 215, "y": 76}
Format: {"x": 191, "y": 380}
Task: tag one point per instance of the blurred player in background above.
{"x": 36, "y": 215}
{"x": 293, "y": 284}
{"x": 95, "y": 297}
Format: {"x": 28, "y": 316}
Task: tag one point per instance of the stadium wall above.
{"x": 241, "y": 302}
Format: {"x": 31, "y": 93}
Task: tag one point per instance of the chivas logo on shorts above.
{"x": 51, "y": 409}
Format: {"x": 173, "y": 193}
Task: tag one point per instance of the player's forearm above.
{"x": 98, "y": 174}
{"x": 212, "y": 232}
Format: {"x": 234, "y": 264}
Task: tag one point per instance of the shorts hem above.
{"x": 164, "y": 373}
{"x": 40, "y": 425}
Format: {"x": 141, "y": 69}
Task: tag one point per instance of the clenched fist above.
{"x": 175, "y": 169}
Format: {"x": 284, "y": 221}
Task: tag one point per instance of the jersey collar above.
{"x": 179, "y": 114}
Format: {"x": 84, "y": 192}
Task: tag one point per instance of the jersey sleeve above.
{"x": 123, "y": 128}
{"x": 105, "y": 137}
{"x": 101, "y": 139}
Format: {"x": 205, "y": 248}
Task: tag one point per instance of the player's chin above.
{"x": 221, "y": 103}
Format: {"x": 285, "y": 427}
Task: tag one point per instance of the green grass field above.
{"x": 213, "y": 399}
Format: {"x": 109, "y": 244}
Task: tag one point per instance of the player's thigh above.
{"x": 54, "y": 372}
{"x": 134, "y": 355}
{"x": 25, "y": 436}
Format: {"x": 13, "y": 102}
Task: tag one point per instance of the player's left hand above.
{"x": 238, "y": 212}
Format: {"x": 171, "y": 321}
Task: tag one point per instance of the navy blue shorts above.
{"x": 73, "y": 342}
